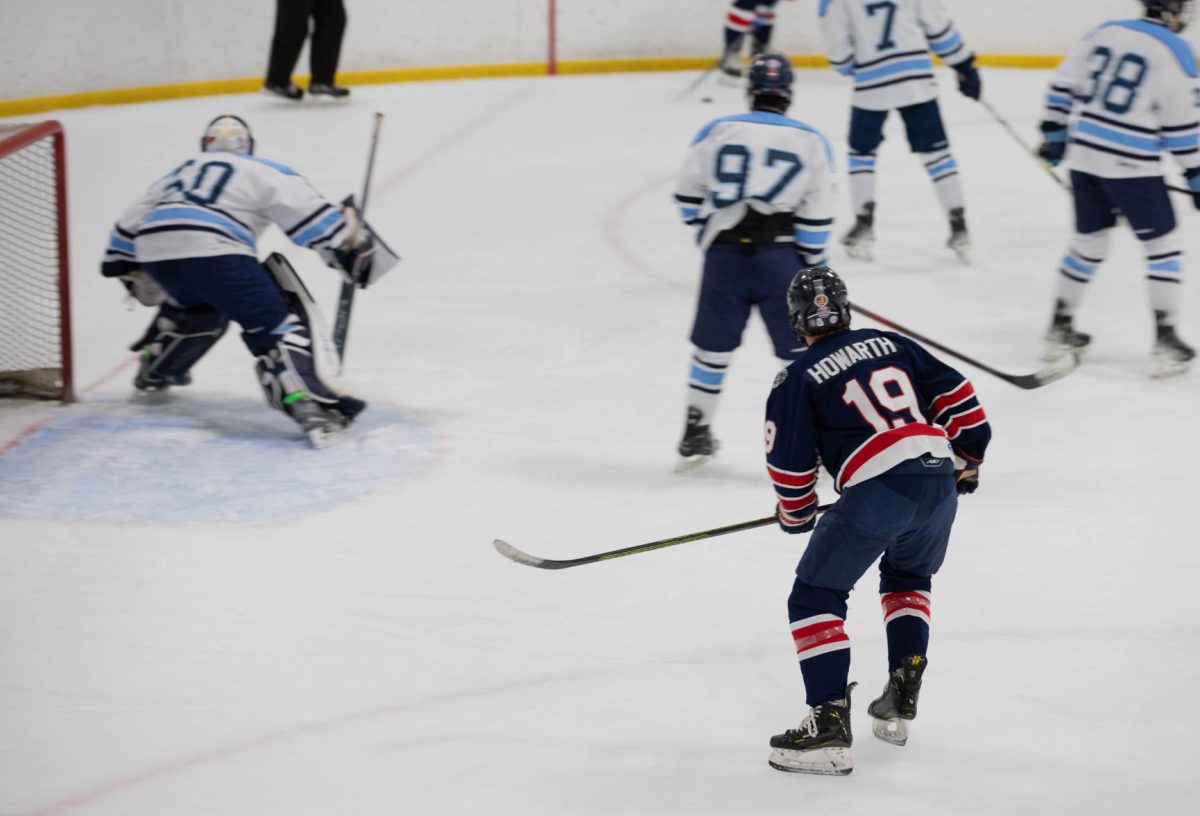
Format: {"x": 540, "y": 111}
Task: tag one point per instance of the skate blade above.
{"x": 689, "y": 463}
{"x": 861, "y": 252}
{"x": 1161, "y": 369}
{"x": 822, "y": 761}
{"x": 324, "y": 437}
{"x": 1057, "y": 351}
{"x": 963, "y": 252}
{"x": 891, "y": 731}
{"x": 730, "y": 80}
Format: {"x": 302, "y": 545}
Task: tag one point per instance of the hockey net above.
{"x": 35, "y": 319}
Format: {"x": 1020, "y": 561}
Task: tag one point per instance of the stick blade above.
{"x": 1057, "y": 369}
{"x": 513, "y": 554}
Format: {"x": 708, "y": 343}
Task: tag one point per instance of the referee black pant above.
{"x": 291, "y": 28}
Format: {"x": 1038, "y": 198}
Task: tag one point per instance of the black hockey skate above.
{"x": 322, "y": 424}
{"x": 821, "y": 744}
{"x": 322, "y": 90}
{"x": 149, "y": 382}
{"x": 290, "y": 91}
{"x": 897, "y": 705}
{"x": 1061, "y": 337}
{"x": 1171, "y": 355}
{"x": 697, "y": 445}
{"x": 960, "y": 239}
{"x": 860, "y": 240}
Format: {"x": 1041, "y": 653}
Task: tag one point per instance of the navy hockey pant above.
{"x": 904, "y": 518}
{"x": 1144, "y": 201}
{"x": 236, "y": 286}
{"x": 923, "y": 124}
{"x": 737, "y": 279}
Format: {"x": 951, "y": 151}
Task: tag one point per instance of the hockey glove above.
{"x": 969, "y": 83}
{"x": 792, "y": 524}
{"x": 1193, "y": 180}
{"x": 143, "y": 288}
{"x": 967, "y": 481}
{"x": 1054, "y": 145}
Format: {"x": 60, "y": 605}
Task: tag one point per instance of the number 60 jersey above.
{"x": 864, "y": 401}
{"x": 218, "y": 204}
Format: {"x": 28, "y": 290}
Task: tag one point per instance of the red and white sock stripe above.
{"x": 739, "y": 19}
{"x": 914, "y": 602}
{"x": 818, "y": 635}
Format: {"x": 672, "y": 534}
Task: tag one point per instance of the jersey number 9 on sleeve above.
{"x": 893, "y": 394}
{"x": 733, "y": 172}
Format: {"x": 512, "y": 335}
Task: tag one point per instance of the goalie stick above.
{"x": 1055, "y": 371}
{"x": 341, "y": 323}
{"x": 513, "y": 554}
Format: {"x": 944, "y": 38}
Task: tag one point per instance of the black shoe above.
{"x": 328, "y": 90}
{"x": 898, "y": 703}
{"x": 960, "y": 239}
{"x": 1061, "y": 337}
{"x": 697, "y": 438}
{"x": 860, "y": 240}
{"x": 820, "y": 743}
{"x": 289, "y": 91}
{"x": 1171, "y": 355}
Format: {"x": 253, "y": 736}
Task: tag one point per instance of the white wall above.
{"x": 61, "y": 46}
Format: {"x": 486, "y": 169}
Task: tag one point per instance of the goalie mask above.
{"x": 227, "y": 134}
{"x": 1175, "y": 14}
{"x": 818, "y": 303}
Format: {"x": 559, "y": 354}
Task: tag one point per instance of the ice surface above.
{"x": 218, "y": 622}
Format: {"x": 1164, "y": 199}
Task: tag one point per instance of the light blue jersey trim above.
{"x": 824, "y": 7}
{"x": 947, "y": 44}
{"x": 1181, "y": 142}
{"x": 766, "y": 118}
{"x": 117, "y": 242}
{"x": 204, "y": 217}
{"x": 1117, "y": 137}
{"x": 318, "y": 229}
{"x": 1179, "y": 46}
{"x": 282, "y": 168}
{"x": 922, "y": 64}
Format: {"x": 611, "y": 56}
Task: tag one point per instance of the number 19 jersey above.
{"x": 1128, "y": 91}
{"x": 861, "y": 402}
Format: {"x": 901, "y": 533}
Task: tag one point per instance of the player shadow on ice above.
{"x": 201, "y": 460}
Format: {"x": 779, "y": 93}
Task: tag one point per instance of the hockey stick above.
{"x": 1055, "y": 371}
{"x": 1033, "y": 153}
{"x": 341, "y": 324}
{"x": 513, "y": 554}
{"x": 699, "y": 80}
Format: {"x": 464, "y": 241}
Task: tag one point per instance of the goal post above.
{"x": 35, "y": 304}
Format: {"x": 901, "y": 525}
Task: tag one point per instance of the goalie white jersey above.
{"x": 765, "y": 161}
{"x": 885, "y": 45}
{"x": 217, "y": 204}
{"x": 1129, "y": 92}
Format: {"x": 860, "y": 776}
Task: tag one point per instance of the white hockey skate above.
{"x": 1171, "y": 355}
{"x": 322, "y": 427}
{"x": 860, "y": 240}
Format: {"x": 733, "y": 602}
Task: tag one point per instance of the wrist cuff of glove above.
{"x": 966, "y": 66}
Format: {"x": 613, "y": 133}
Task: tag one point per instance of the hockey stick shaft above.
{"x": 1027, "y": 148}
{"x": 341, "y": 326}
{"x": 513, "y": 554}
{"x": 1055, "y": 371}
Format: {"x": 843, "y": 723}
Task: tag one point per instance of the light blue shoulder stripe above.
{"x": 765, "y": 118}
{"x": 824, "y": 7}
{"x": 1179, "y": 46}
{"x": 282, "y": 168}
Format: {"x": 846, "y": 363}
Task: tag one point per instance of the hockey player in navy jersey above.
{"x": 884, "y": 46}
{"x": 752, "y": 19}
{"x": 902, "y": 434}
{"x": 1126, "y": 95}
{"x": 188, "y": 246}
{"x": 759, "y": 190}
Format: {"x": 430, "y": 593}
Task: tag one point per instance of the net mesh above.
{"x": 31, "y": 349}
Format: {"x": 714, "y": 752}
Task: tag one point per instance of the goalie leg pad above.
{"x": 289, "y": 375}
{"x": 175, "y": 341}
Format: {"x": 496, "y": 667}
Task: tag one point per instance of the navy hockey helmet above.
{"x": 770, "y": 75}
{"x": 817, "y": 302}
{"x": 227, "y": 134}
{"x": 1175, "y": 14}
